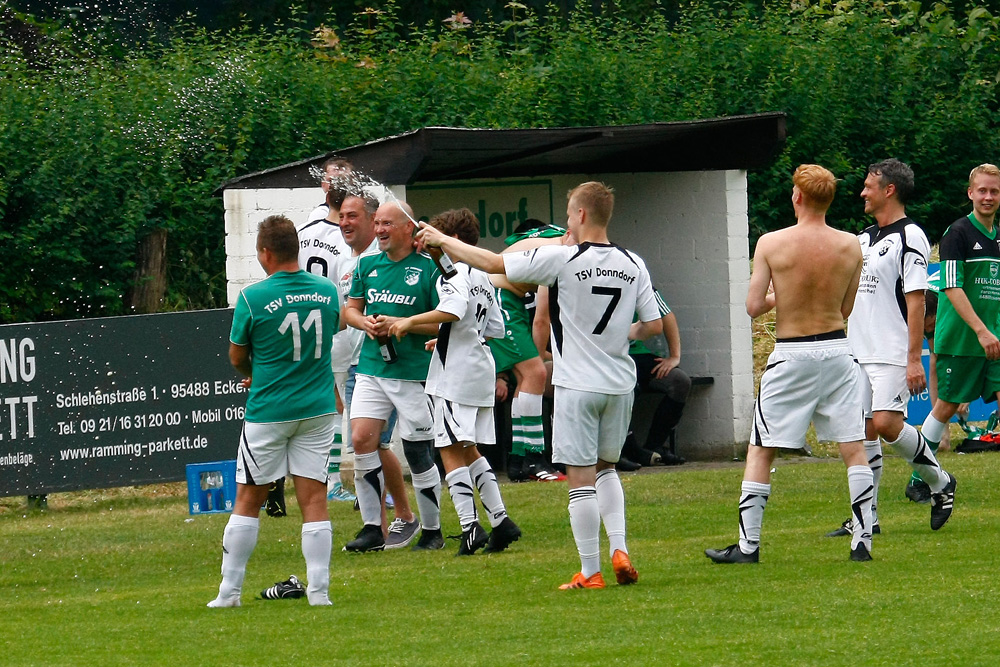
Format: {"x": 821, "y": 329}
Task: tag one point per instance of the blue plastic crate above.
{"x": 211, "y": 487}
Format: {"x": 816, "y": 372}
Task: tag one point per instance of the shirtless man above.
{"x": 811, "y": 375}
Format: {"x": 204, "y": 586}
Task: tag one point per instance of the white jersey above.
{"x": 895, "y": 264}
{"x": 594, "y": 289}
{"x": 323, "y": 251}
{"x": 319, "y": 213}
{"x": 321, "y": 246}
{"x": 347, "y": 343}
{"x": 462, "y": 368}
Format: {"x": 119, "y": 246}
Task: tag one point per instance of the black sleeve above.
{"x": 953, "y": 245}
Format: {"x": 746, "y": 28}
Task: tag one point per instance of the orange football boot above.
{"x": 595, "y": 580}
{"x": 624, "y": 572}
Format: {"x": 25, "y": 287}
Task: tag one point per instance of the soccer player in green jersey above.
{"x": 281, "y": 339}
{"x": 397, "y": 282}
{"x": 965, "y": 338}
{"x": 517, "y": 351}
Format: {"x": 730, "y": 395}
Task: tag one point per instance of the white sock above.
{"x": 753, "y": 499}
{"x": 530, "y": 410}
{"x": 317, "y": 542}
{"x": 334, "y": 460}
{"x": 933, "y": 429}
{"x": 346, "y": 444}
{"x": 238, "y": 542}
{"x": 585, "y": 520}
{"x": 427, "y": 485}
{"x": 912, "y": 446}
{"x": 462, "y": 496}
{"x": 859, "y": 481}
{"x": 873, "y": 450}
{"x": 489, "y": 491}
{"x": 611, "y": 503}
{"x": 368, "y": 485}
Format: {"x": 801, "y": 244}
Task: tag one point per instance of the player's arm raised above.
{"x": 490, "y": 262}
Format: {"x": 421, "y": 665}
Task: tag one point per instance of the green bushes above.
{"x": 98, "y": 150}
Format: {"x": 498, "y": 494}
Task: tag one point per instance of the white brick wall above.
{"x": 691, "y": 228}
{"x": 244, "y": 210}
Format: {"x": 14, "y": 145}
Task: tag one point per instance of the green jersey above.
{"x": 970, "y": 260}
{"x": 396, "y": 289}
{"x": 544, "y": 232}
{"x": 288, "y": 320}
{"x": 639, "y": 346}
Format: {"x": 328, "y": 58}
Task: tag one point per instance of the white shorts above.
{"x": 587, "y": 426}
{"x": 374, "y": 398}
{"x": 269, "y": 451}
{"x": 884, "y": 388}
{"x": 810, "y": 381}
{"x": 456, "y": 422}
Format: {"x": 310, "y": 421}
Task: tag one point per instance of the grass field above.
{"x": 121, "y": 577}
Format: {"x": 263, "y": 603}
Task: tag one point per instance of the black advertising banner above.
{"x": 90, "y": 404}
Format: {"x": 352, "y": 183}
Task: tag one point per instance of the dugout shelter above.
{"x": 681, "y": 203}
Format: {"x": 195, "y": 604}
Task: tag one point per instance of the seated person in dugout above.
{"x": 663, "y": 375}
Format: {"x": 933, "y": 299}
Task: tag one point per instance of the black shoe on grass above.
{"x": 860, "y": 553}
{"x": 733, "y": 554}
{"x": 369, "y": 538}
{"x": 918, "y": 492}
{"x": 430, "y": 540}
{"x": 506, "y": 533}
{"x": 473, "y": 539}
{"x": 847, "y": 528}
{"x": 282, "y": 590}
{"x": 942, "y": 503}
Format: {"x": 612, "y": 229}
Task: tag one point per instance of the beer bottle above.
{"x": 443, "y": 262}
{"x": 386, "y": 349}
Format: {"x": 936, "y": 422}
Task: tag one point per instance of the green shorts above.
{"x": 516, "y": 345}
{"x": 964, "y": 379}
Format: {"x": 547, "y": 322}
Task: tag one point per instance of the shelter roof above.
{"x": 432, "y": 154}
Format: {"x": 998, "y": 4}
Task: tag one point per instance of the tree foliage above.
{"x": 100, "y": 145}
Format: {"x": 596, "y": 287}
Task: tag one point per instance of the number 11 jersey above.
{"x": 288, "y": 320}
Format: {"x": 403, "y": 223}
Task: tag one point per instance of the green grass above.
{"x": 122, "y": 577}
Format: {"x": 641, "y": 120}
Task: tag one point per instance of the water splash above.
{"x": 359, "y": 184}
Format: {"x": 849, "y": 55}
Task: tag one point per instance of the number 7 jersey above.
{"x": 594, "y": 290}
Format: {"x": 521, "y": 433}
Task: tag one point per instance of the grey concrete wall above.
{"x": 691, "y": 229}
